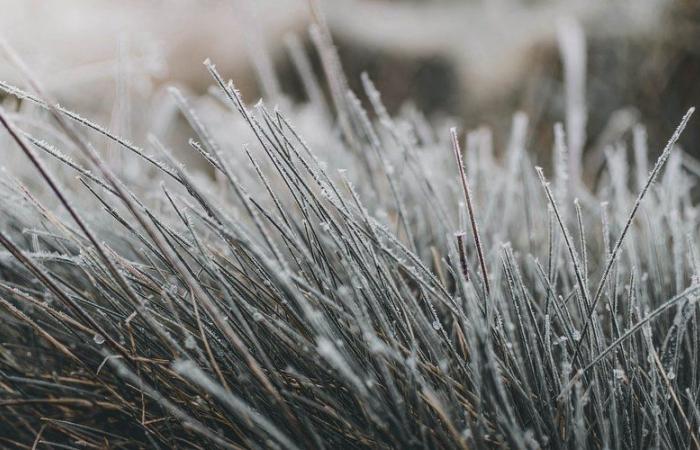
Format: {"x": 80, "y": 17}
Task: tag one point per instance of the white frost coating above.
{"x": 190, "y": 342}
{"x": 258, "y": 423}
{"x": 572, "y": 46}
{"x": 331, "y": 354}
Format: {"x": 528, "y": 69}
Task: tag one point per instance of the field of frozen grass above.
{"x": 331, "y": 276}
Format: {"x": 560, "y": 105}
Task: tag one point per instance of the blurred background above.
{"x": 476, "y": 62}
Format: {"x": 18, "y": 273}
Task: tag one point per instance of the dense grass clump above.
{"x": 369, "y": 290}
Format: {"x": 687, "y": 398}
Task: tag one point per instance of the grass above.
{"x": 391, "y": 297}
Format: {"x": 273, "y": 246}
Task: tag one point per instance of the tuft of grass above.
{"x": 288, "y": 302}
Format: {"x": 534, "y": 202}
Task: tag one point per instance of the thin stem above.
{"x": 470, "y": 208}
